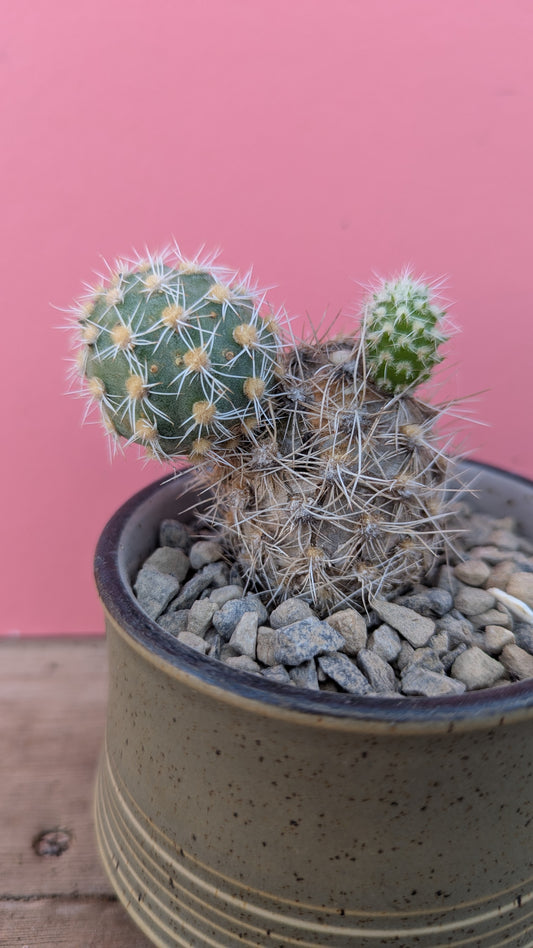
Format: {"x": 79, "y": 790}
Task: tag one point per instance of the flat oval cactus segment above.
{"x": 163, "y": 335}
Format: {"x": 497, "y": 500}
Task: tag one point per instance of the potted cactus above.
{"x": 239, "y": 807}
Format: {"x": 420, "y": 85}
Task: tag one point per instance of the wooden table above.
{"x": 53, "y": 891}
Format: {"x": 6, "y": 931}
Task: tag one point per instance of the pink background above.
{"x": 316, "y": 141}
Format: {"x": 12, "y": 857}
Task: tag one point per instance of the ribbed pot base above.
{"x": 176, "y": 900}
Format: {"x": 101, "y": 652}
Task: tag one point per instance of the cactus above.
{"x": 402, "y": 333}
{"x": 176, "y": 354}
{"x": 325, "y": 472}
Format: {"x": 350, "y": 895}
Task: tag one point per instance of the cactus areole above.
{"x": 326, "y": 475}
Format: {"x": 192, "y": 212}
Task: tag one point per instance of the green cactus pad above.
{"x": 402, "y": 334}
{"x": 176, "y": 354}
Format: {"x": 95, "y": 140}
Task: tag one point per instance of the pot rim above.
{"x": 476, "y": 708}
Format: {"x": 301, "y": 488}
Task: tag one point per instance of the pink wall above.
{"x": 318, "y": 141}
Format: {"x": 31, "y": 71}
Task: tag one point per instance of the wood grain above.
{"x": 52, "y": 713}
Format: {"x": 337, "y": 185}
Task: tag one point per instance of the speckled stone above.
{"x": 225, "y": 593}
{"x": 418, "y": 680}
{"x": 521, "y": 585}
{"x": 193, "y": 641}
{"x": 277, "y": 673}
{"x": 305, "y": 675}
{"x": 174, "y": 533}
{"x": 470, "y": 600}
{"x": 472, "y": 572}
{"x": 244, "y": 636}
{"x": 228, "y": 616}
{"x": 298, "y": 642}
{"x": 175, "y": 621}
{"x": 523, "y": 633}
{"x": 378, "y": 672}
{"x": 428, "y": 658}
{"x": 194, "y": 587}
{"x": 155, "y": 590}
{"x": 495, "y": 638}
{"x": 242, "y": 663}
{"x": 492, "y": 617}
{"x": 200, "y": 616}
{"x": 431, "y": 602}
{"x": 203, "y": 552}
{"x": 458, "y": 630}
{"x": 289, "y": 611}
{"x": 517, "y": 662}
{"x": 476, "y": 669}
{"x": 352, "y": 627}
{"x": 171, "y": 560}
{"x": 413, "y": 627}
{"x": 345, "y": 673}
{"x": 385, "y": 642}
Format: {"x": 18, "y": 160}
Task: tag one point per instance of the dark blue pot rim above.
{"x": 119, "y": 600}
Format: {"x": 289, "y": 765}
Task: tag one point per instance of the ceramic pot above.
{"x": 234, "y": 811}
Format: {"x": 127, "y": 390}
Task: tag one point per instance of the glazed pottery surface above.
{"x": 234, "y": 811}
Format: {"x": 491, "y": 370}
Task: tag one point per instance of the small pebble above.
{"x": 405, "y": 655}
{"x": 242, "y": 663}
{"x": 175, "y": 621}
{"x": 193, "y": 641}
{"x": 416, "y": 629}
{"x": 345, "y": 673}
{"x": 523, "y": 633}
{"x": 421, "y": 681}
{"x": 378, "y": 672}
{"x": 244, "y": 636}
{"x": 352, "y": 627}
{"x": 520, "y": 585}
{"x": 174, "y": 533}
{"x": 228, "y": 616}
{"x": 428, "y": 658}
{"x": 385, "y": 642}
{"x": 155, "y": 590}
{"x": 449, "y": 657}
{"x": 517, "y": 662}
{"x": 305, "y": 675}
{"x": 495, "y": 638}
{"x": 195, "y": 586}
{"x": 431, "y": 602}
{"x": 470, "y": 600}
{"x": 476, "y": 669}
{"x": 492, "y": 617}
{"x": 472, "y": 572}
{"x": 289, "y": 611}
{"x": 203, "y": 552}
{"x": 277, "y": 673}
{"x": 500, "y": 574}
{"x": 440, "y": 643}
{"x": 225, "y": 593}
{"x": 300, "y": 641}
{"x": 168, "y": 559}
{"x": 200, "y": 616}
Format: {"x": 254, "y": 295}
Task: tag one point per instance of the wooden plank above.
{"x": 72, "y": 923}
{"x": 52, "y": 709}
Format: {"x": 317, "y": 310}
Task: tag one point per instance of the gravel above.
{"x": 469, "y": 627}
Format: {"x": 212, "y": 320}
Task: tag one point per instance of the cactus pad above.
{"x": 176, "y": 354}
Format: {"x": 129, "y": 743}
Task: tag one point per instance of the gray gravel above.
{"x": 461, "y": 631}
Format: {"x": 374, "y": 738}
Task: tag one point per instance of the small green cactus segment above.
{"x": 402, "y": 333}
{"x": 176, "y": 354}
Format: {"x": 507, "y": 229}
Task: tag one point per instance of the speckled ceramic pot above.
{"x": 234, "y": 811}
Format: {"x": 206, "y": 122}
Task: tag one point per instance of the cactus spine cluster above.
{"x": 323, "y": 467}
